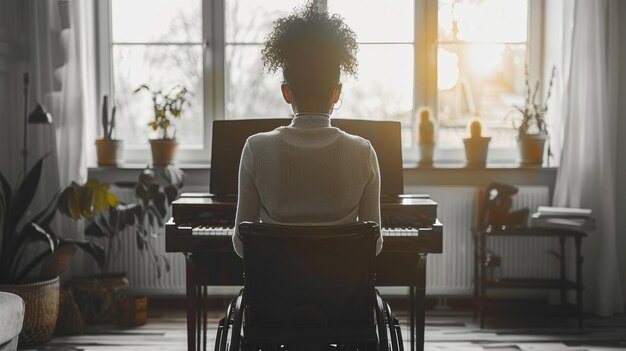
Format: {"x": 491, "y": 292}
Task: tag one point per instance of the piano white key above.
{"x": 195, "y": 231}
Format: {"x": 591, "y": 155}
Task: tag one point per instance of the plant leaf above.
{"x": 57, "y": 262}
{"x": 95, "y": 250}
{"x": 25, "y": 194}
{"x": 6, "y": 190}
{"x": 140, "y": 241}
{"x": 45, "y": 217}
{"x": 171, "y": 193}
{"x": 32, "y": 233}
{"x": 93, "y": 229}
{"x": 33, "y": 263}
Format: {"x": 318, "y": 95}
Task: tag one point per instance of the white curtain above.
{"x": 63, "y": 79}
{"x": 587, "y": 172}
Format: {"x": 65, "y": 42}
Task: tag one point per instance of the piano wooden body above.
{"x": 201, "y": 228}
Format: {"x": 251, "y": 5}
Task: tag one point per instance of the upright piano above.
{"x": 202, "y": 225}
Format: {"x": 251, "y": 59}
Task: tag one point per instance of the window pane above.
{"x": 384, "y": 87}
{"x": 249, "y": 21}
{"x": 376, "y": 20}
{"x": 250, "y": 92}
{"x": 157, "y": 21}
{"x": 483, "y": 80}
{"x": 160, "y": 67}
{"x": 483, "y": 20}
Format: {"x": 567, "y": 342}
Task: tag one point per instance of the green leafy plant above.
{"x": 533, "y": 113}
{"x": 19, "y": 230}
{"x": 108, "y": 218}
{"x": 155, "y": 194}
{"x": 167, "y": 106}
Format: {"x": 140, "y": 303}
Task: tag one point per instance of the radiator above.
{"x": 448, "y": 274}
{"x": 141, "y": 271}
{"x": 451, "y": 273}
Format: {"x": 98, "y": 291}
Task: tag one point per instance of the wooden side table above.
{"x": 481, "y": 285}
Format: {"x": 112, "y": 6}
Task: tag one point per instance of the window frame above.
{"x": 213, "y": 62}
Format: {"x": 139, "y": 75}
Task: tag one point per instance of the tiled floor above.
{"x": 444, "y": 331}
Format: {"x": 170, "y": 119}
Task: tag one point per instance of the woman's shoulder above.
{"x": 355, "y": 140}
{"x": 263, "y": 137}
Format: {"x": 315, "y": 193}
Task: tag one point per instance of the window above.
{"x": 474, "y": 69}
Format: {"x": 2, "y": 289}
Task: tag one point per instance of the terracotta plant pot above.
{"x": 110, "y": 152}
{"x": 426, "y": 154}
{"x": 97, "y": 296}
{"x": 133, "y": 311}
{"x": 476, "y": 150}
{"x": 42, "y": 308}
{"x": 162, "y": 151}
{"x": 531, "y": 148}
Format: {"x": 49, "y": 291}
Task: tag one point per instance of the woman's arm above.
{"x": 248, "y": 202}
{"x": 369, "y": 208}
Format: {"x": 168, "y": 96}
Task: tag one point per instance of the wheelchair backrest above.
{"x": 309, "y": 276}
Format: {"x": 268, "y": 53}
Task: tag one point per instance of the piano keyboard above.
{"x": 225, "y": 231}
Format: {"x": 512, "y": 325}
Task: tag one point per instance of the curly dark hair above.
{"x": 312, "y": 48}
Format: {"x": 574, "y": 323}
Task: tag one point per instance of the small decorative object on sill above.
{"x": 532, "y": 130}
{"x": 476, "y": 146}
{"x": 167, "y": 107}
{"x": 109, "y": 150}
{"x": 426, "y": 144}
{"x": 133, "y": 311}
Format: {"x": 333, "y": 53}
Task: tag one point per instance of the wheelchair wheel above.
{"x": 228, "y": 336}
{"x": 393, "y": 326}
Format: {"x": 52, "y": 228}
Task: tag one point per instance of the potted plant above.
{"x": 19, "y": 230}
{"x": 532, "y": 131}
{"x": 100, "y": 296}
{"x": 426, "y": 138}
{"x": 476, "y": 146}
{"x": 166, "y": 106}
{"x": 109, "y": 150}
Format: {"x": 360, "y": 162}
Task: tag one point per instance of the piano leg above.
{"x": 420, "y": 302}
{"x": 412, "y": 315}
{"x": 191, "y": 302}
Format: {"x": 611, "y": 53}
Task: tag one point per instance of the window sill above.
{"x": 440, "y": 174}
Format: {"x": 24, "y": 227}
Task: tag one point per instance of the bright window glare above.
{"x": 481, "y": 61}
{"x": 486, "y": 21}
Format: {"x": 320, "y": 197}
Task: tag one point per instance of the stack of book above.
{"x": 563, "y": 217}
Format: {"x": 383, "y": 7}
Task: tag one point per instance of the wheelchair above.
{"x": 312, "y": 285}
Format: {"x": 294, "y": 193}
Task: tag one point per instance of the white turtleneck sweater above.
{"x": 308, "y": 173}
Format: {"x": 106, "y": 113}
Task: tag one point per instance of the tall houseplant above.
{"x": 167, "y": 107}
{"x": 532, "y": 130}
{"x": 109, "y": 150}
{"x": 20, "y": 258}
